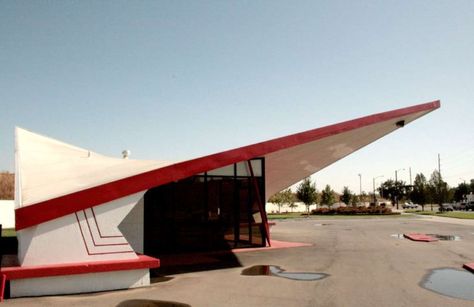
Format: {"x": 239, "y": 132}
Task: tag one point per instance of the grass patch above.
{"x": 8, "y": 232}
{"x": 357, "y": 216}
{"x": 421, "y": 212}
{"x": 334, "y": 216}
{"x": 375, "y": 210}
{"x": 454, "y": 214}
{"x": 458, "y": 215}
{"x": 283, "y": 216}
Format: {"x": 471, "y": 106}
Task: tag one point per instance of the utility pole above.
{"x": 439, "y": 181}
{"x": 410, "y": 175}
{"x": 439, "y": 165}
{"x": 360, "y": 185}
{"x": 396, "y": 186}
{"x": 373, "y": 182}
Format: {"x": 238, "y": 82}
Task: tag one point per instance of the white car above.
{"x": 409, "y": 205}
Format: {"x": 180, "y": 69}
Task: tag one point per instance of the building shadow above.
{"x": 150, "y": 303}
{"x": 195, "y": 262}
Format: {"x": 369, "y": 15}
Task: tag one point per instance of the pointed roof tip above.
{"x": 436, "y": 103}
{"x": 18, "y": 128}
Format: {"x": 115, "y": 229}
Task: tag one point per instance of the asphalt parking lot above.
{"x": 364, "y": 264}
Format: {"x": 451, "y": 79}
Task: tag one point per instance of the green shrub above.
{"x": 377, "y": 210}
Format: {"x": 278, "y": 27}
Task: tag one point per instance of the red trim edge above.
{"x": 2, "y": 286}
{"x": 19, "y": 272}
{"x": 41, "y": 212}
{"x": 469, "y": 266}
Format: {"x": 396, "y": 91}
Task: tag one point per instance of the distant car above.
{"x": 446, "y": 207}
{"x": 459, "y": 206}
{"x": 470, "y": 206}
{"x": 409, "y": 205}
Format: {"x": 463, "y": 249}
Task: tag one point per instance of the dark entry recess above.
{"x": 217, "y": 210}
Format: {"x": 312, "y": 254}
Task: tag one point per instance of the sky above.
{"x": 174, "y": 80}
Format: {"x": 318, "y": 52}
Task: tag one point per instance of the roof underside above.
{"x": 81, "y": 182}
{"x": 288, "y": 166}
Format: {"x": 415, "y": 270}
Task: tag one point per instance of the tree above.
{"x": 306, "y": 192}
{"x": 438, "y": 189}
{"x": 355, "y": 200}
{"x": 283, "y": 198}
{"x": 289, "y": 199}
{"x": 393, "y": 190}
{"x": 364, "y": 197}
{"x": 346, "y": 196}
{"x": 461, "y": 190}
{"x": 327, "y": 196}
{"x": 7, "y": 185}
{"x": 419, "y": 194}
{"x": 292, "y": 206}
{"x": 278, "y": 200}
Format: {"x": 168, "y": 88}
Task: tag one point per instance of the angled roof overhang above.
{"x": 287, "y": 160}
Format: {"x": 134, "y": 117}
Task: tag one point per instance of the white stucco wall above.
{"x": 300, "y": 207}
{"x": 7, "y": 213}
{"x": 132, "y": 227}
{"x": 87, "y": 235}
{"x": 81, "y": 283}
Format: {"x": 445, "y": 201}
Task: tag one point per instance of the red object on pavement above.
{"x": 419, "y": 237}
{"x": 469, "y": 266}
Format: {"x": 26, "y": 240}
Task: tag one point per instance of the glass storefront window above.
{"x": 243, "y": 168}
{"x": 212, "y": 210}
{"x": 223, "y": 171}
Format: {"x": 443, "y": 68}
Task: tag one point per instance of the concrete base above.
{"x": 91, "y": 282}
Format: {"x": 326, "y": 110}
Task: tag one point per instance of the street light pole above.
{"x": 360, "y": 185}
{"x": 396, "y": 187}
{"x": 373, "y": 182}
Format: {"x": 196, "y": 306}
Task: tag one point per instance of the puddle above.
{"x": 272, "y": 270}
{"x": 398, "y": 236}
{"x": 150, "y": 303}
{"x": 450, "y": 282}
{"x": 445, "y": 237}
{"x": 321, "y": 224}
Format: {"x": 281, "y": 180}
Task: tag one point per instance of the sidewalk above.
{"x": 449, "y": 220}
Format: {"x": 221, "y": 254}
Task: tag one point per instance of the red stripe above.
{"x": 18, "y": 272}
{"x": 47, "y": 210}
{"x": 82, "y": 234}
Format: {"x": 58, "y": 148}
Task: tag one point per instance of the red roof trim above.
{"x": 47, "y": 210}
